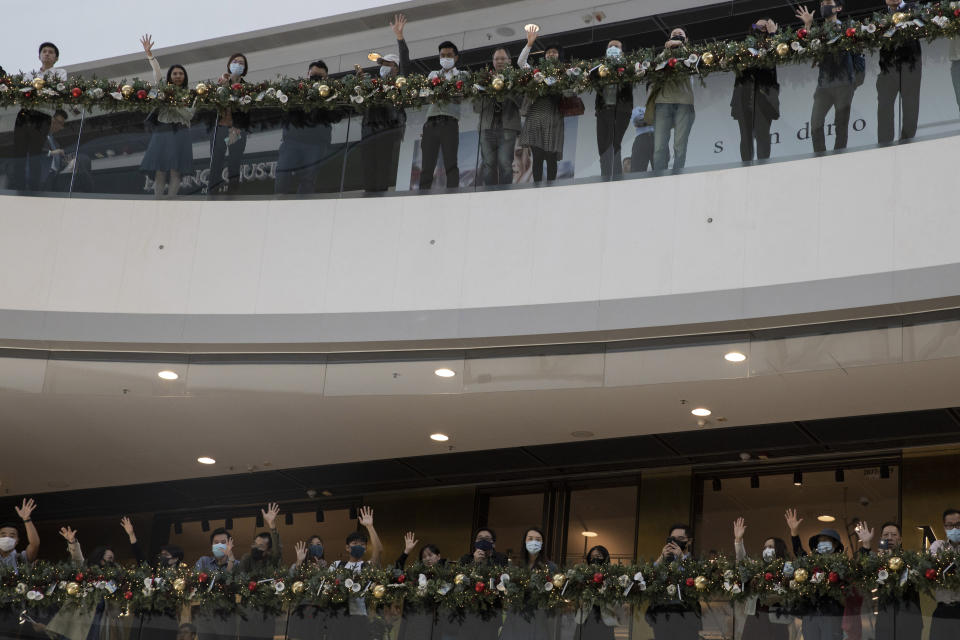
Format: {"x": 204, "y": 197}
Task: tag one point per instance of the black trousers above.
{"x": 29, "y": 135}
{"x": 841, "y": 100}
{"x": 539, "y": 158}
{"x": 641, "y": 157}
{"x": 612, "y": 123}
{"x": 945, "y": 622}
{"x": 440, "y": 133}
{"x": 905, "y": 81}
{"x": 754, "y": 125}
{"x": 380, "y": 153}
{"x": 669, "y": 623}
{"x": 219, "y": 154}
{"x": 899, "y": 620}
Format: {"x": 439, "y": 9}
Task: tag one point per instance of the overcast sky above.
{"x": 88, "y": 30}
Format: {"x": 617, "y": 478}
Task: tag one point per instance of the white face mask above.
{"x": 614, "y": 52}
{"x": 236, "y": 68}
{"x": 385, "y": 71}
{"x": 7, "y": 544}
{"x": 825, "y": 546}
{"x": 447, "y": 63}
{"x": 534, "y": 546}
{"x": 769, "y": 554}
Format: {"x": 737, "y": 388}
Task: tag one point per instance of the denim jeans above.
{"x": 676, "y": 117}
{"x": 496, "y": 148}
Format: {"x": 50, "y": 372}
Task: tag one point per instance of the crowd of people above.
{"x": 535, "y": 125}
{"x": 825, "y": 618}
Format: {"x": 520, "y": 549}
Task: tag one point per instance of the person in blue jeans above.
{"x": 500, "y": 126}
{"x": 674, "y": 109}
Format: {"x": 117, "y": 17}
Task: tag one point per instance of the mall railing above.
{"x": 289, "y": 153}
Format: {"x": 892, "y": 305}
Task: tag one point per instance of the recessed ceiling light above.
{"x": 206, "y": 460}
{"x": 734, "y": 356}
{"x": 168, "y": 375}
{"x": 445, "y": 373}
{"x": 701, "y": 412}
{"x": 826, "y": 518}
{"x": 589, "y": 534}
{"x": 439, "y": 437}
{"x": 582, "y": 434}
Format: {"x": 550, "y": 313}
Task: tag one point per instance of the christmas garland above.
{"x": 881, "y": 31}
{"x": 795, "y": 585}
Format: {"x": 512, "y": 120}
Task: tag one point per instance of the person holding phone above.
{"x": 675, "y": 619}
{"x": 230, "y": 133}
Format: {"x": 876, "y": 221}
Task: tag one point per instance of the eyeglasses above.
{"x": 951, "y": 525}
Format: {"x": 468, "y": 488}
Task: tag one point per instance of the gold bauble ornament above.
{"x": 559, "y": 579}
{"x": 201, "y": 89}
{"x": 497, "y": 83}
{"x": 126, "y": 90}
{"x": 379, "y": 591}
{"x": 783, "y": 49}
{"x": 323, "y": 90}
{"x": 701, "y": 583}
{"x": 179, "y": 584}
{"x": 603, "y": 71}
{"x": 899, "y": 17}
{"x": 895, "y": 563}
{"x": 708, "y": 58}
{"x": 73, "y": 588}
{"x": 38, "y": 83}
{"x": 401, "y": 81}
{"x": 459, "y": 578}
{"x": 297, "y": 586}
{"x": 800, "y": 575}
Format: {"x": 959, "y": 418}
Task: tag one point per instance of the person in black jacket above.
{"x": 898, "y": 618}
{"x": 484, "y": 550}
{"x": 306, "y": 143}
{"x": 901, "y": 69}
{"x": 823, "y": 619}
{"x": 383, "y": 126}
{"x": 756, "y": 99}
{"x": 614, "y": 107}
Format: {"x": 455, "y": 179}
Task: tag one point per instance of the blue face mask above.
{"x": 219, "y": 550}
{"x": 953, "y": 535}
{"x": 825, "y": 546}
{"x": 357, "y": 551}
{"x": 614, "y": 52}
{"x": 316, "y": 550}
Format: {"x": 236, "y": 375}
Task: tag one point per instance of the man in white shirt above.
{"x": 945, "y": 623}
{"x": 441, "y": 131}
{"x": 33, "y": 125}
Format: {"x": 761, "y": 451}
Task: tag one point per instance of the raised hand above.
{"x": 739, "y": 528}
{"x": 301, "y": 549}
{"x": 671, "y": 549}
{"x": 409, "y": 542}
{"x": 25, "y": 509}
{"x": 270, "y": 514}
{"x": 229, "y": 550}
{"x": 479, "y": 555}
{"x": 147, "y": 42}
{"x": 366, "y": 516}
{"x": 70, "y": 535}
{"x": 865, "y": 534}
{"x": 804, "y": 14}
{"x": 128, "y": 527}
{"x": 399, "y": 22}
{"x": 793, "y": 521}
{"x": 532, "y": 32}
{"x": 772, "y": 27}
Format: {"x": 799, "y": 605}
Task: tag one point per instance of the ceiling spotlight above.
{"x": 205, "y": 525}
{"x": 838, "y": 475}
{"x": 734, "y": 356}
{"x": 716, "y": 484}
{"x": 228, "y": 524}
{"x": 319, "y": 515}
{"x": 582, "y": 434}
{"x": 754, "y": 481}
{"x": 178, "y": 528}
{"x": 439, "y": 437}
{"x": 884, "y": 472}
{"x": 589, "y": 534}
{"x": 353, "y": 513}
{"x": 206, "y": 460}
{"x": 701, "y": 412}
{"x": 797, "y": 479}
{"x": 445, "y": 373}
{"x": 826, "y": 518}
{"x": 168, "y": 375}
{"x": 288, "y": 518}
{"x": 259, "y": 520}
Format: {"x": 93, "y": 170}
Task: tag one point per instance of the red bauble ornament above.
{"x": 202, "y": 577}
{"x": 851, "y": 32}
{"x": 142, "y": 94}
{"x": 691, "y": 582}
{"x": 931, "y": 574}
{"x": 459, "y": 85}
{"x": 128, "y": 595}
{"x": 28, "y": 94}
{"x": 802, "y": 33}
{"x": 78, "y": 577}
{"x": 301, "y": 85}
{"x": 536, "y": 70}
{"x": 598, "y": 578}
{"x": 768, "y": 576}
{"x": 833, "y": 577}
{"x": 252, "y": 586}
{"x": 956, "y": 13}
{"x": 402, "y": 578}
{"x": 435, "y": 81}
{"x": 620, "y": 69}
{"x": 672, "y": 62}
{"x": 76, "y": 92}
{"x": 479, "y": 587}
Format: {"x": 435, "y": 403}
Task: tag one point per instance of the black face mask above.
{"x": 594, "y": 560}
{"x": 827, "y": 11}
{"x": 256, "y": 553}
{"x": 484, "y": 545}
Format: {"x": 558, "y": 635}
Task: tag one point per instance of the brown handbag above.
{"x": 571, "y": 106}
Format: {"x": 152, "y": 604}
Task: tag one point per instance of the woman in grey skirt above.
{"x": 543, "y": 128}
{"x": 170, "y": 150}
